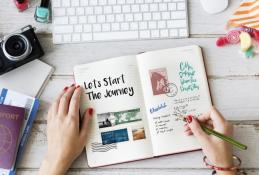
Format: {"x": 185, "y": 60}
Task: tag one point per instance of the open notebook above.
{"x": 139, "y": 101}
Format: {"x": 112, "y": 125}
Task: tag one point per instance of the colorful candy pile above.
{"x": 247, "y": 37}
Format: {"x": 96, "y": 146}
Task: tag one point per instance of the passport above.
{"x": 11, "y": 120}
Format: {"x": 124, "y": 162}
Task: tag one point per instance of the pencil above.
{"x": 223, "y": 137}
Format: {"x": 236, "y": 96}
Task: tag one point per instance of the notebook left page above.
{"x": 119, "y": 130}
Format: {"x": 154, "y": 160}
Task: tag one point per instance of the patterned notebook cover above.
{"x": 247, "y": 14}
{"x": 11, "y": 119}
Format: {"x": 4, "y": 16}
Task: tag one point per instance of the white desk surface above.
{"x": 234, "y": 83}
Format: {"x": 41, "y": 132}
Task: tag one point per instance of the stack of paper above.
{"x": 29, "y": 79}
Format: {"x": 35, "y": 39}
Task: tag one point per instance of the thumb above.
{"x": 86, "y": 121}
{"x": 197, "y": 130}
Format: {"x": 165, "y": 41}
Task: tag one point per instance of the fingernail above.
{"x": 189, "y": 118}
{"x": 72, "y": 84}
{"x": 65, "y": 88}
{"x": 90, "y": 111}
{"x": 78, "y": 86}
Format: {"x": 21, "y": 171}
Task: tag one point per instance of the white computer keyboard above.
{"x": 108, "y": 20}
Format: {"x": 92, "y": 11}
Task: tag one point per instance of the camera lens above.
{"x": 16, "y": 47}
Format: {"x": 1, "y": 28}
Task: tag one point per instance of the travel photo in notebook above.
{"x": 139, "y": 102}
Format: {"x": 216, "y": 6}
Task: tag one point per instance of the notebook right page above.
{"x": 174, "y": 84}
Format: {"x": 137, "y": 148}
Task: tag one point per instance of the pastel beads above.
{"x": 233, "y": 37}
{"x": 248, "y": 30}
{"x": 245, "y": 41}
{"x": 250, "y": 52}
{"x": 221, "y": 41}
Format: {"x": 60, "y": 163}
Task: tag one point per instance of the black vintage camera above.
{"x": 19, "y": 48}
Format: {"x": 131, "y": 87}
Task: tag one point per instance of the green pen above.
{"x": 224, "y": 137}
{"x": 221, "y": 136}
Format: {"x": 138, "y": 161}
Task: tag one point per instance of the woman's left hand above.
{"x": 66, "y": 138}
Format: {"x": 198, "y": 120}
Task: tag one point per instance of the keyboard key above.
{"x": 65, "y": 3}
{"x": 138, "y": 17}
{"x": 178, "y": 15}
{"x": 98, "y": 10}
{"x": 147, "y": 16}
{"x": 130, "y": 1}
{"x": 97, "y": 27}
{"x": 180, "y": 6}
{"x": 134, "y": 26}
{"x": 92, "y": 19}
{"x": 152, "y": 25}
{"x": 84, "y": 3}
{"x": 57, "y": 38}
{"x": 164, "y": 33}
{"x": 102, "y": 2}
{"x": 115, "y": 26}
{"x": 107, "y": 9}
{"x": 56, "y": 3}
{"x": 176, "y": 23}
{"x": 111, "y": 2}
{"x": 106, "y": 27}
{"x": 76, "y": 37}
{"x": 135, "y": 8}
{"x": 143, "y": 25}
{"x": 73, "y": 20}
{"x": 75, "y": 3}
{"x": 144, "y": 8}
{"x": 165, "y": 15}
{"x": 87, "y": 37}
{"x": 173, "y": 33}
{"x": 126, "y": 9}
{"x": 121, "y": 1}
{"x": 92, "y": 2}
{"x": 101, "y": 19}
{"x": 128, "y": 17}
{"x": 162, "y": 7}
{"x": 156, "y": 16}
{"x": 117, "y": 9}
{"x": 110, "y": 18}
{"x": 171, "y": 6}
{"x": 63, "y": 29}
{"x": 115, "y": 35}
{"x": 161, "y": 24}
{"x": 82, "y": 19}
{"x": 183, "y": 32}
{"x": 144, "y": 34}
{"x": 153, "y": 7}
{"x": 61, "y": 20}
{"x": 60, "y": 12}
{"x": 78, "y": 28}
{"x": 119, "y": 18}
{"x": 71, "y": 11}
{"x": 67, "y": 38}
{"x": 139, "y": 1}
{"x": 154, "y": 33}
{"x": 80, "y": 11}
{"x": 89, "y": 10}
{"x": 124, "y": 26}
{"x": 87, "y": 28}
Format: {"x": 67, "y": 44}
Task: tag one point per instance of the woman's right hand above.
{"x": 218, "y": 151}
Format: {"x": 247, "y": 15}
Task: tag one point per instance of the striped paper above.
{"x": 246, "y": 15}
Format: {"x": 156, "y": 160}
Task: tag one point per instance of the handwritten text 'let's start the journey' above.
{"x": 107, "y": 82}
